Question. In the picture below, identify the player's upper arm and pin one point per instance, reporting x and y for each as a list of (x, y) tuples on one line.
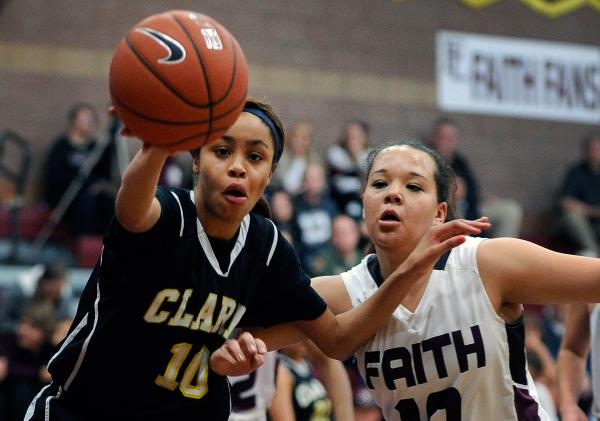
[(517, 271), (334, 292), (139, 222)]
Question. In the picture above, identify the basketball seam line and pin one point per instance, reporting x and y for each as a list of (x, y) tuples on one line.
[(200, 60), (174, 123), (184, 139)]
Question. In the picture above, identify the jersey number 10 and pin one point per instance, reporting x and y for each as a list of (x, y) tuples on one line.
[(193, 383)]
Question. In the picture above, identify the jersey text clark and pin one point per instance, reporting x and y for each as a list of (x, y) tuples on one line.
[(229, 316)]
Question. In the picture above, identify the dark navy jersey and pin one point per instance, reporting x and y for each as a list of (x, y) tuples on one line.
[(309, 396), (158, 304)]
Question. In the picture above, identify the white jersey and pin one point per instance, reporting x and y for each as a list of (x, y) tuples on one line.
[(453, 358), (251, 394), (595, 347)]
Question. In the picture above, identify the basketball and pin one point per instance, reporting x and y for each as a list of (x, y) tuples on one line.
[(178, 79)]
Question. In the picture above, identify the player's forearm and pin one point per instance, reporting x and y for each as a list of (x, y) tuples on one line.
[(278, 336), (571, 372), (138, 187)]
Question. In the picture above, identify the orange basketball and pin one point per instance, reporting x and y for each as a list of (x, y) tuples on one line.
[(178, 79)]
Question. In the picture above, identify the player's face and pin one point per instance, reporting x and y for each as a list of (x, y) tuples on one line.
[(400, 198), (233, 172)]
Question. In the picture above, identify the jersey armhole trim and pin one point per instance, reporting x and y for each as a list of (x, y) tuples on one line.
[(274, 245), (81, 325), (180, 213)]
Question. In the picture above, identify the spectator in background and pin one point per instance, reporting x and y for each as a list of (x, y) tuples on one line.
[(93, 206), (552, 325), (296, 157), (346, 164), (581, 339), (283, 214), (580, 198), (314, 212), (52, 289), (299, 395), (24, 355), (343, 253), (505, 214), (171, 174)]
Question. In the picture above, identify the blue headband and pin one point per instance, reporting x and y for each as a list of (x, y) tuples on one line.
[(275, 133)]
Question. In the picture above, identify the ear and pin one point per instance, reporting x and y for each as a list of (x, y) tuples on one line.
[(195, 164), (441, 213)]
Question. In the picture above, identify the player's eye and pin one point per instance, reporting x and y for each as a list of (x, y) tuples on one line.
[(414, 187), (222, 152), (379, 184), (255, 156)]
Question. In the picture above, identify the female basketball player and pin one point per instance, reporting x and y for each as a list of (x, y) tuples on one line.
[(300, 395), (455, 344), (180, 270), (251, 394)]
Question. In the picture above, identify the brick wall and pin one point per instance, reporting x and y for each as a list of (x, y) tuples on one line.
[(321, 60)]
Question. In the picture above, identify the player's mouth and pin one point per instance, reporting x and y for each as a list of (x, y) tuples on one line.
[(389, 218), (235, 193)]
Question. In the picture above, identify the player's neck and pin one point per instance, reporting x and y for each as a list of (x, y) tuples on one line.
[(390, 256), (218, 228), (388, 262)]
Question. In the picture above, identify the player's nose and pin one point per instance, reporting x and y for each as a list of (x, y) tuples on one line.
[(236, 167)]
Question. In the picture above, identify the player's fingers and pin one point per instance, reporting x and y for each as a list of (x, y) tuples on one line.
[(124, 130), (482, 223), (448, 244), (234, 348), (247, 344), (222, 355), (261, 347), (460, 226), (257, 361), (221, 360), (228, 352)]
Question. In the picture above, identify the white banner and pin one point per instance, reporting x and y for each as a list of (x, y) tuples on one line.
[(518, 77)]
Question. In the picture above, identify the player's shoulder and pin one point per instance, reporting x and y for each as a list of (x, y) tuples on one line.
[(261, 228), (176, 198), (465, 255), (265, 238)]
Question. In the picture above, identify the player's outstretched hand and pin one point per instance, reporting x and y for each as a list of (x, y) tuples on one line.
[(238, 356), (124, 130), (440, 239)]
